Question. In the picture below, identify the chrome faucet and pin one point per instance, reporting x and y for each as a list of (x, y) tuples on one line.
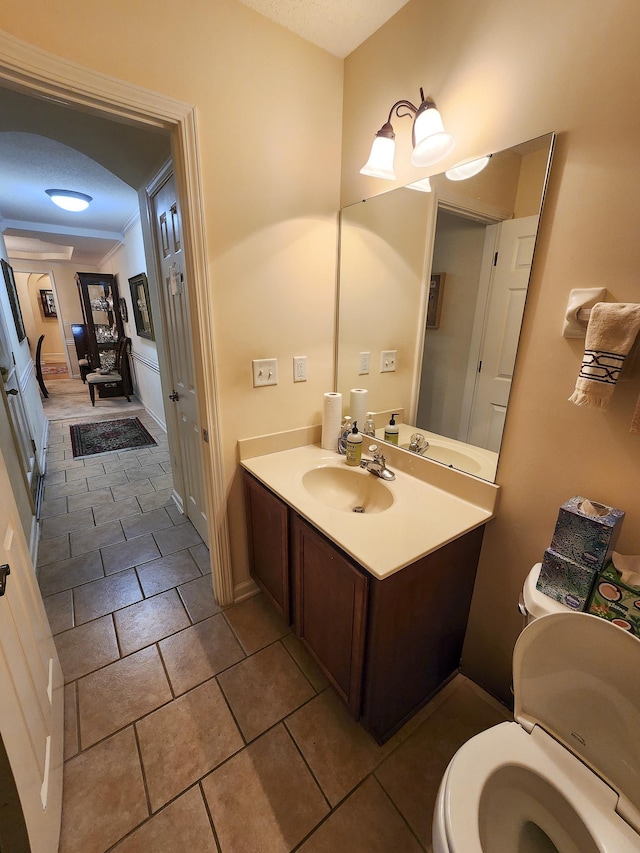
[(378, 465), (418, 443)]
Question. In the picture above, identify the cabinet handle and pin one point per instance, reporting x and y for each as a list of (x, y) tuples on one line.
[(174, 396), (4, 571)]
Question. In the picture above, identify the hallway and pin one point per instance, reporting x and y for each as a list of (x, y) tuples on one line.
[(192, 727)]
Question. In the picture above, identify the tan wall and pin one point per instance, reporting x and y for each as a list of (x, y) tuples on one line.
[(269, 111), (502, 72)]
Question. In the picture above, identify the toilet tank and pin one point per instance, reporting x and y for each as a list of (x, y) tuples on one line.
[(534, 603)]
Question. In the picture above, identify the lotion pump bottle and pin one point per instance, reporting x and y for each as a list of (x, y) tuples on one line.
[(391, 430), (354, 447)]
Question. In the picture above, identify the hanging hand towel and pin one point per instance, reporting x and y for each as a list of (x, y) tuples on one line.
[(612, 329)]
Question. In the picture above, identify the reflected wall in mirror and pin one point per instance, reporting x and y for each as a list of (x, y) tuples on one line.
[(452, 380)]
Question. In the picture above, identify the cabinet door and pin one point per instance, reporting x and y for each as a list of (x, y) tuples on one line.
[(268, 533), (331, 610)]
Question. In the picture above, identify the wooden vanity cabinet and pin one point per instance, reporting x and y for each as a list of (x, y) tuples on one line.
[(385, 645), (268, 526), (331, 596)]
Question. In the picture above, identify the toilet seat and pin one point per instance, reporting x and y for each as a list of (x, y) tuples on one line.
[(569, 767), (476, 811)]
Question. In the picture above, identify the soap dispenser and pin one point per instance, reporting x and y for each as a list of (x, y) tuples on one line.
[(354, 447), (391, 430), (369, 426)]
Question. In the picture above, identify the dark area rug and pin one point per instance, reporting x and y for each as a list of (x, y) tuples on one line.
[(107, 436)]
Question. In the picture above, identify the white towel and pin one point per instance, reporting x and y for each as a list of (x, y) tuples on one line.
[(612, 329)]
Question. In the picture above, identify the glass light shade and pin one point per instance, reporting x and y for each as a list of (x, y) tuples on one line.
[(380, 162), (69, 200), (431, 143), (467, 170), (423, 186)]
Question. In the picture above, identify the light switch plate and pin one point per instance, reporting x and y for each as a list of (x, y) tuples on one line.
[(265, 372), (365, 363), (388, 359)]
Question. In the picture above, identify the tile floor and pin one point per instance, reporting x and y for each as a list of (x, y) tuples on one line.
[(191, 727)]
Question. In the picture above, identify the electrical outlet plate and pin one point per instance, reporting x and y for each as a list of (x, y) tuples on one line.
[(388, 359), (265, 372), (299, 368), (365, 363)]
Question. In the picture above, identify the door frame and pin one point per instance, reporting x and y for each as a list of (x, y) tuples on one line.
[(29, 69)]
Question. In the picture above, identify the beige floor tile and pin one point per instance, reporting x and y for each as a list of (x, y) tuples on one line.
[(129, 490), (181, 826), (201, 555), (60, 490), (152, 499), (176, 516), (106, 595), (103, 795), (93, 470), (264, 688), (127, 554), (200, 652), (167, 572), (147, 522), (256, 623), (55, 506), (264, 798), (86, 648), (71, 741), (59, 609), (99, 536), (338, 750), (64, 574), (197, 596), (151, 620), (306, 663), (186, 739), (144, 472), (411, 775), (114, 478), (365, 823), (176, 538), (112, 510), (54, 549), (52, 527), (91, 499), (120, 693)]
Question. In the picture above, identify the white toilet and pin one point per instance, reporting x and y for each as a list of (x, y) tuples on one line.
[(565, 777)]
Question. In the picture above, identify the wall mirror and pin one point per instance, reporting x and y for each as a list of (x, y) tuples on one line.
[(460, 253)]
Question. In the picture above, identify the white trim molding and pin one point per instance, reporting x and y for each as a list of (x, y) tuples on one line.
[(34, 71)]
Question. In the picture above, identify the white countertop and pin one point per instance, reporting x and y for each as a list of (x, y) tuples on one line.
[(422, 518)]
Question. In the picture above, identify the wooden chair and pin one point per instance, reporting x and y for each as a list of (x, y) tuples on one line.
[(117, 383), (43, 387)]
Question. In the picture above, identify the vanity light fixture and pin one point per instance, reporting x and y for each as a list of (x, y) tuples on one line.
[(431, 143), (468, 169), (69, 200), (423, 186)]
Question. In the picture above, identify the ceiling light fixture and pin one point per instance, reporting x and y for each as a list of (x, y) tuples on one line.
[(423, 186), (468, 169), (69, 200), (431, 143)]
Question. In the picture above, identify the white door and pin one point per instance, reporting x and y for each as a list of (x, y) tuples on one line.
[(508, 292), (188, 480), (31, 685)]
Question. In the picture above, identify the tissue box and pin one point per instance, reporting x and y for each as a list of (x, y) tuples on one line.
[(586, 539), (565, 581), (616, 601)]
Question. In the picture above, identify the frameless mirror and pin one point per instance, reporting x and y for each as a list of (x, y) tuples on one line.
[(432, 289)]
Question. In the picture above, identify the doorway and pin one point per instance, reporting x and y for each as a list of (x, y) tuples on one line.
[(34, 72)]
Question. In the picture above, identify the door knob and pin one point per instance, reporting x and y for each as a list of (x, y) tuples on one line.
[(174, 396), (13, 391), (4, 571)]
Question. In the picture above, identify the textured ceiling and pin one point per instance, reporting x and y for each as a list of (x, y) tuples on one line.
[(338, 26)]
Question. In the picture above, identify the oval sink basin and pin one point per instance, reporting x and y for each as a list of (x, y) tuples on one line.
[(349, 491), (449, 456)]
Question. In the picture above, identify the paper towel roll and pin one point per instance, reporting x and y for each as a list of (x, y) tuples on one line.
[(331, 419), (358, 406)]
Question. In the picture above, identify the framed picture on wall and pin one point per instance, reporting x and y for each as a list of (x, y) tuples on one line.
[(48, 303), (10, 282), (434, 308), (141, 306)]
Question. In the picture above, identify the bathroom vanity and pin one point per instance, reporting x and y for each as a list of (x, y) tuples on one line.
[(380, 598)]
